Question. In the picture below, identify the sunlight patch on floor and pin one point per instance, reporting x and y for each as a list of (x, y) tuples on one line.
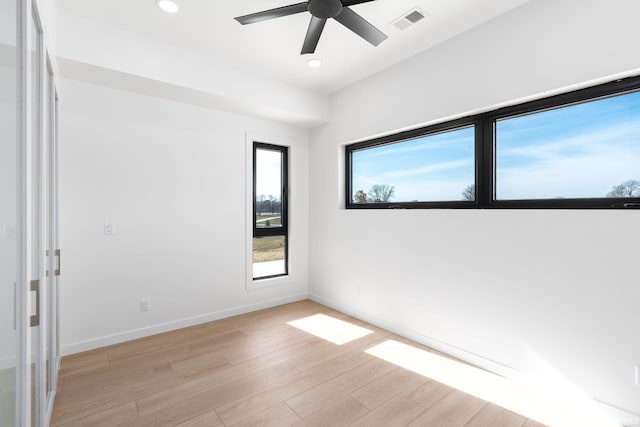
[(328, 328), (548, 405)]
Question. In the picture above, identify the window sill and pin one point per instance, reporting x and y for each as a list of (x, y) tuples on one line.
[(254, 284)]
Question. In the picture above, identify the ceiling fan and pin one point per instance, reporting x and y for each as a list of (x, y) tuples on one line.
[(320, 11)]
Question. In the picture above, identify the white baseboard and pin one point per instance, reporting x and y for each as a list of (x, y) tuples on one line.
[(107, 340), (623, 417)]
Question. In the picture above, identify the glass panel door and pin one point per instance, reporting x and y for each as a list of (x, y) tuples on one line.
[(9, 228)]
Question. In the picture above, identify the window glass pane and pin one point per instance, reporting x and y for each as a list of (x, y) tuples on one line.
[(438, 167), (588, 150), (268, 188), (269, 255)]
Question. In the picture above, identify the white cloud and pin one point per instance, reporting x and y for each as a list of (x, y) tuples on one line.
[(426, 170), (586, 165)]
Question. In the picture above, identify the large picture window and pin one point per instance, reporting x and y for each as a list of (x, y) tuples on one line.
[(270, 211), (576, 150)]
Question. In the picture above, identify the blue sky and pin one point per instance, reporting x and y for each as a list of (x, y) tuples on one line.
[(572, 152), (436, 167)]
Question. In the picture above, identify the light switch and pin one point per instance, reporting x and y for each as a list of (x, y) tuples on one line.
[(109, 229), (9, 232)]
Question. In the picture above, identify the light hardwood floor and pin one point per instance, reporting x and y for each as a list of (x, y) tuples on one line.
[(255, 369)]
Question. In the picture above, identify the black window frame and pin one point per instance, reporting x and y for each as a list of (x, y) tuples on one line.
[(284, 204), (485, 149), (437, 129)]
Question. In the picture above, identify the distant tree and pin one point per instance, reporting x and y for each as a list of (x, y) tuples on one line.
[(630, 188), (266, 207), (380, 193), (260, 199), (360, 197), (272, 203), (469, 192)]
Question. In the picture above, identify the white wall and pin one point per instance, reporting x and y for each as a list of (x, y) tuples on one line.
[(171, 177), (550, 293), (191, 74)]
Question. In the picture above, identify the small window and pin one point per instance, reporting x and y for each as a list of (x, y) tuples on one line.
[(580, 151), (270, 211), (435, 167)]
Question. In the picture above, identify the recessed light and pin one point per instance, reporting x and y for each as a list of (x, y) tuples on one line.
[(314, 63), (168, 6)]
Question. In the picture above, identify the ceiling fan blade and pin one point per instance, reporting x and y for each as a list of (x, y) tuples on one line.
[(347, 3), (273, 13), (313, 35), (360, 26)]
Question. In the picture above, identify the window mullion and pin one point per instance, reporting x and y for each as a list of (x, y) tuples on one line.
[(487, 172)]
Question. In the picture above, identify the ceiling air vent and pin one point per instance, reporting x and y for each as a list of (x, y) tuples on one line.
[(408, 19)]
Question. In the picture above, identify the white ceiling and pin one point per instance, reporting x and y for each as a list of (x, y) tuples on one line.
[(273, 47)]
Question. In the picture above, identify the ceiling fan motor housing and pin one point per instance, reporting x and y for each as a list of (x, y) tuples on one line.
[(325, 9)]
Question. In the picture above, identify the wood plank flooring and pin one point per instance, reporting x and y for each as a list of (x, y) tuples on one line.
[(255, 369)]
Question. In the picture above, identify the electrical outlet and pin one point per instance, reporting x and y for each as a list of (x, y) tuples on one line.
[(109, 228), (145, 304)]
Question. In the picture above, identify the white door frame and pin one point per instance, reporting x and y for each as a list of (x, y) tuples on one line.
[(52, 254)]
